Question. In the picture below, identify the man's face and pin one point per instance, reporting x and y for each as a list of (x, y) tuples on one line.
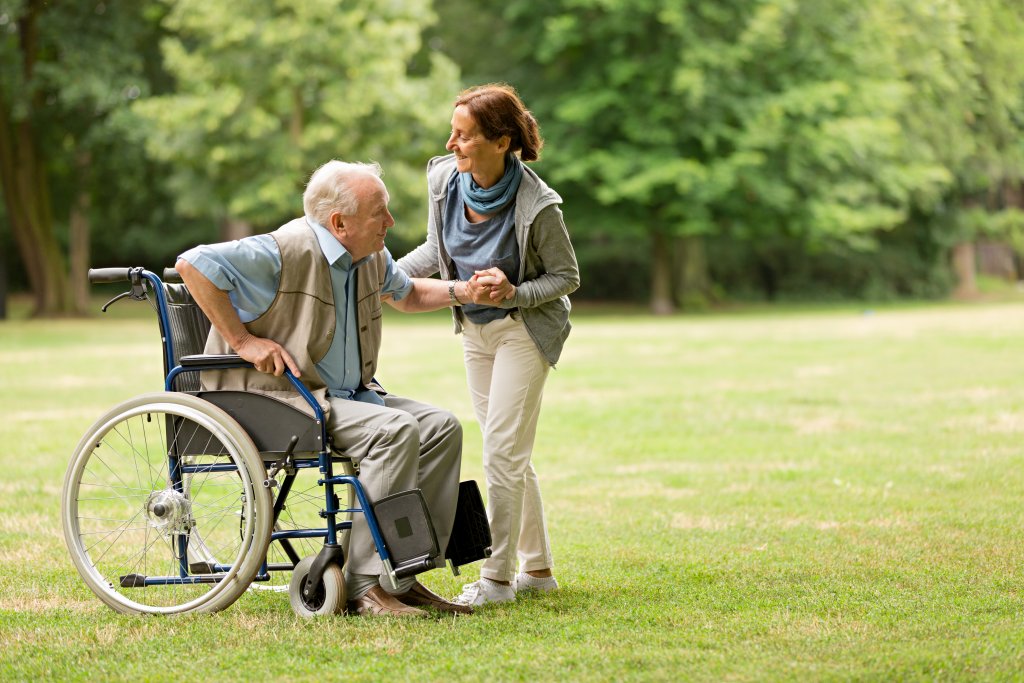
[(363, 233)]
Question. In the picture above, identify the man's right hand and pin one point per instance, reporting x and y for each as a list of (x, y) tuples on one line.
[(266, 355)]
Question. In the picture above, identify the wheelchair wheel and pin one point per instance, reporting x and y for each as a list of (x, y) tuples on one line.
[(328, 598), (164, 507)]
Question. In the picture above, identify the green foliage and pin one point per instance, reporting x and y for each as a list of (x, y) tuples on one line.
[(822, 126), (832, 131), (753, 119), (267, 91)]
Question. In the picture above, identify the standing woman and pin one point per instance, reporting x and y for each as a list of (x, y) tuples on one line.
[(495, 232)]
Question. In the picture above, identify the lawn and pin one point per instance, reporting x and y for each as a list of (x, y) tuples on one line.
[(830, 494)]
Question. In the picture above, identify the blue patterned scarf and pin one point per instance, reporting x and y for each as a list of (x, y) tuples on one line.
[(498, 196)]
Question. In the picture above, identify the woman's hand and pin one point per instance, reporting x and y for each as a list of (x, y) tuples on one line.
[(492, 286)]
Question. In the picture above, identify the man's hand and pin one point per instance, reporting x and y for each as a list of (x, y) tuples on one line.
[(266, 355), (490, 287)]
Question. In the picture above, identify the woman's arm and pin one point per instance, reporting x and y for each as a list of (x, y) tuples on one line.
[(550, 240)]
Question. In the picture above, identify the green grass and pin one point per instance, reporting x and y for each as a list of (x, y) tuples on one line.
[(827, 494)]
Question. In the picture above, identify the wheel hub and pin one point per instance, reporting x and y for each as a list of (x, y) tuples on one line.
[(169, 511)]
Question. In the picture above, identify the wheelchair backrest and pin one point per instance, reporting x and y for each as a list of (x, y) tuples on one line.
[(188, 329)]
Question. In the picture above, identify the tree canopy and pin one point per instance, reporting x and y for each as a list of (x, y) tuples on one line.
[(702, 146)]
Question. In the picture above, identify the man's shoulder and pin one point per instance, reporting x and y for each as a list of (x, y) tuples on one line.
[(296, 226)]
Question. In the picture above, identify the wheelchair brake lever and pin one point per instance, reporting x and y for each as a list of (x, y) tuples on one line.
[(115, 300), (137, 292), (270, 482)]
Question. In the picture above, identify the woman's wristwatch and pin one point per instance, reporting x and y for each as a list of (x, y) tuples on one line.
[(453, 298)]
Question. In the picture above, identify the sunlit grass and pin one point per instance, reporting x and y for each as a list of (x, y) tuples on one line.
[(825, 494)]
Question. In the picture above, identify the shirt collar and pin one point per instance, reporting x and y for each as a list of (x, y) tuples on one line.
[(334, 251)]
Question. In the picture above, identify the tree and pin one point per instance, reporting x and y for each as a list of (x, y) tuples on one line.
[(56, 98), (751, 120), (22, 164), (988, 196), (267, 91)]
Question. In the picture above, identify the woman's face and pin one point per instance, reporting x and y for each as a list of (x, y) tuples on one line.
[(474, 153)]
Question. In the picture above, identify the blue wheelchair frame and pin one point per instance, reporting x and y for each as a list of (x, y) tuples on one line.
[(332, 551)]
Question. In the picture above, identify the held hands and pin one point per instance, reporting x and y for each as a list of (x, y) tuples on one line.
[(490, 287), (266, 355)]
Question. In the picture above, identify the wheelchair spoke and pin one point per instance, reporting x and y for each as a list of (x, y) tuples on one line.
[(120, 531), (136, 455)]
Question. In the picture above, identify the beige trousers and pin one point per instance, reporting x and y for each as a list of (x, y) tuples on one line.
[(506, 375), (401, 445)]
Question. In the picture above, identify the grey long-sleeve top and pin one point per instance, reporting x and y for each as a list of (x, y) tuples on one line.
[(548, 272)]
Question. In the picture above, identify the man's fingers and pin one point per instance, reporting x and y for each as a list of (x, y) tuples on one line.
[(290, 362)]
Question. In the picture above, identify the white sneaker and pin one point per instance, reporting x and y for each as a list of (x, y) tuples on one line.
[(525, 582), (484, 591)]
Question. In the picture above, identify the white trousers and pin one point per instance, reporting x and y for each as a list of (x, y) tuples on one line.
[(506, 375)]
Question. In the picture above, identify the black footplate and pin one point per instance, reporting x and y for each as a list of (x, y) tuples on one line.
[(408, 532), (471, 534)]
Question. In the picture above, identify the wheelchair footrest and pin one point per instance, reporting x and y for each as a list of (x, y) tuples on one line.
[(405, 524), (414, 567), (471, 534)]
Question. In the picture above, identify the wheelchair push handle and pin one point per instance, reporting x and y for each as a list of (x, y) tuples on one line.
[(171, 275), (100, 275), (136, 276)]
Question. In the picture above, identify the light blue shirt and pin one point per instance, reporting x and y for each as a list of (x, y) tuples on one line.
[(249, 270)]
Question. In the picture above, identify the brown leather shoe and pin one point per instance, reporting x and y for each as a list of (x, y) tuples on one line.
[(378, 602), (420, 596)]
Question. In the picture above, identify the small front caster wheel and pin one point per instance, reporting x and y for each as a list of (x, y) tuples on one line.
[(328, 597)]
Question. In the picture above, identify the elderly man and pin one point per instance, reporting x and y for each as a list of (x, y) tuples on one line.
[(307, 297)]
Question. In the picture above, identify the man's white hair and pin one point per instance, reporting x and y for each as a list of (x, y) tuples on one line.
[(330, 189)]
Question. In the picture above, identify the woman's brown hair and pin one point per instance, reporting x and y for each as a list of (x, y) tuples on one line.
[(498, 111)]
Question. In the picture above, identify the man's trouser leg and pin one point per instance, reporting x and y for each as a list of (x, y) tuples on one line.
[(400, 446), (384, 442), (440, 461)]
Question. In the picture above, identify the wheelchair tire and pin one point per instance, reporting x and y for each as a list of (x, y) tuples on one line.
[(155, 534), (330, 596)]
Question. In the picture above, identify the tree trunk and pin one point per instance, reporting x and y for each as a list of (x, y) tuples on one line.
[(234, 229), (964, 268), (3, 288), (78, 226), (693, 284), (27, 193), (661, 275)]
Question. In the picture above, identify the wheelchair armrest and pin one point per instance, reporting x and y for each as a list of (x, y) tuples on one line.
[(229, 361), (203, 360)]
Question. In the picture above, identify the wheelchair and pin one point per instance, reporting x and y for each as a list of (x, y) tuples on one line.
[(179, 501)]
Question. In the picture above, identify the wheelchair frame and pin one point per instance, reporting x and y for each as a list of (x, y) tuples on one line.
[(317, 580)]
